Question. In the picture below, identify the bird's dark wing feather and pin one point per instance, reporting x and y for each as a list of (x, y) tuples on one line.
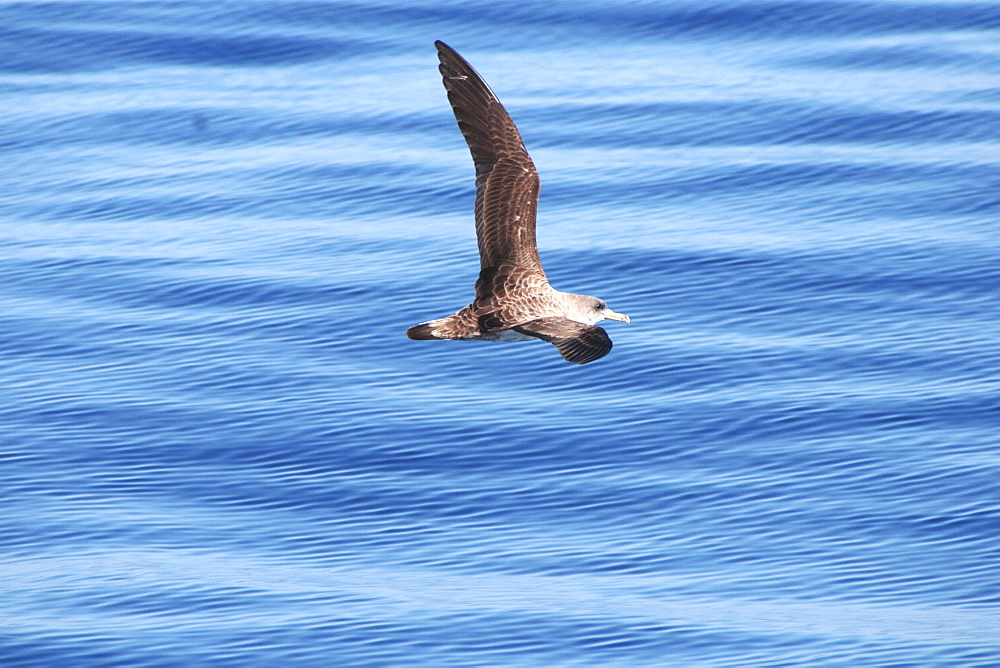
[(506, 181), (576, 341)]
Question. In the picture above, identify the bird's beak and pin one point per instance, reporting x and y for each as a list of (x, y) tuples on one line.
[(611, 315)]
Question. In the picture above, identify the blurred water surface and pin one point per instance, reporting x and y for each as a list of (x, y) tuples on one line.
[(219, 447)]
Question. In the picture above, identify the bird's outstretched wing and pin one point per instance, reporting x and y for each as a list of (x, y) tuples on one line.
[(576, 341), (506, 181)]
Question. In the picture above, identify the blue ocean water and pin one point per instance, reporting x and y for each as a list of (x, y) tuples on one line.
[(219, 448)]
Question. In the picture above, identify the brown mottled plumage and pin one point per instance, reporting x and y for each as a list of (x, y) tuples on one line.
[(514, 300)]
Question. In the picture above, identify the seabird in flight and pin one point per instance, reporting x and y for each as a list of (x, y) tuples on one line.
[(514, 300)]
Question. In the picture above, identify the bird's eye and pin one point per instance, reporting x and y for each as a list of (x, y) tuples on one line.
[(600, 306)]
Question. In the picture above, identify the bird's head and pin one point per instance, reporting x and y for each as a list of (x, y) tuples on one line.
[(591, 310)]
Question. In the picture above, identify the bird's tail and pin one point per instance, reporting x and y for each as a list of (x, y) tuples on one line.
[(422, 332), (451, 327)]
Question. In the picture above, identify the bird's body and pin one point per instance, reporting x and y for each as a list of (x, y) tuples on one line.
[(514, 300)]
